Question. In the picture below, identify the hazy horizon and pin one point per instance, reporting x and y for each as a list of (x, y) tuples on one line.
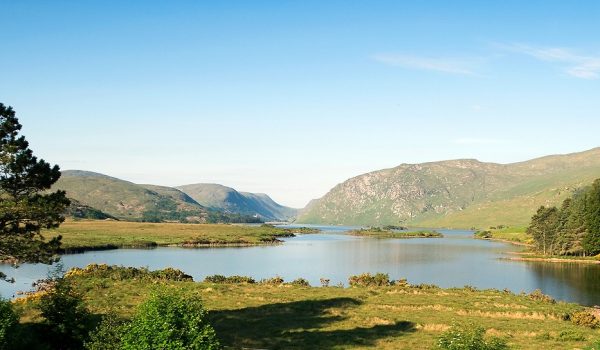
[(290, 99)]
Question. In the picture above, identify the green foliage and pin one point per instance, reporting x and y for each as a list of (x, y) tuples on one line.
[(274, 281), (544, 229), (368, 280), (66, 317), (300, 282), (121, 273), (107, 335), (469, 337), (570, 335), (591, 242), (574, 229), (8, 324), (25, 207), (595, 346), (170, 321), (231, 279)]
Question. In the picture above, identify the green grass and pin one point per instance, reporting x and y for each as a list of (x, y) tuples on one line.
[(376, 232), (515, 234), (81, 235), (283, 316)]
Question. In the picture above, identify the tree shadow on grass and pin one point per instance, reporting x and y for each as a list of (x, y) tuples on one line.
[(298, 325)]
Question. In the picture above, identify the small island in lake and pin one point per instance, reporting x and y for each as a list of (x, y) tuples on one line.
[(378, 232)]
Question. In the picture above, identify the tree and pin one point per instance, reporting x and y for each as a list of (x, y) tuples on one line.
[(65, 315), (543, 229), (170, 321), (591, 241), (26, 206)]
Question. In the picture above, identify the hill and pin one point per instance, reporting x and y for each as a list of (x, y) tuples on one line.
[(455, 193), (229, 200), (125, 200)]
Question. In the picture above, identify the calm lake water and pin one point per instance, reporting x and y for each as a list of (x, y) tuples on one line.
[(453, 261)]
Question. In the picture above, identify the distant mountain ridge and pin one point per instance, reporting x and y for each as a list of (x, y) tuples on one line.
[(225, 198), (96, 195), (455, 193)]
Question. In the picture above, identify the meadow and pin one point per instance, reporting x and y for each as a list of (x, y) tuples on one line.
[(80, 235), (278, 315)]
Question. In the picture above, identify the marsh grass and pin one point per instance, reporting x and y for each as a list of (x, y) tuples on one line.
[(90, 235)]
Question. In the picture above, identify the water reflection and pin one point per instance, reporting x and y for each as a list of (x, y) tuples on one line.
[(453, 261)]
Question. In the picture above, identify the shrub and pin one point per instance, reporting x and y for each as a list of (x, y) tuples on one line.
[(275, 281), (231, 279), (368, 280), (121, 273), (171, 274), (402, 283), (469, 337), (215, 279), (537, 295), (570, 335), (300, 282), (8, 324), (585, 318), (65, 316), (170, 321), (108, 334), (324, 282)]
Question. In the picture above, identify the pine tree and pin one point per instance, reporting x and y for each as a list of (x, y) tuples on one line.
[(544, 229), (591, 241), (26, 205)]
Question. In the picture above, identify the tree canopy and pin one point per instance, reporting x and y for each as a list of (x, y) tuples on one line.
[(572, 229), (26, 204)]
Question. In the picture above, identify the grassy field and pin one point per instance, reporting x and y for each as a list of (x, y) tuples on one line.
[(514, 234), (116, 234), (376, 232), (283, 316)]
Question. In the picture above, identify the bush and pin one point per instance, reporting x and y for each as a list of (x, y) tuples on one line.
[(469, 337), (585, 318), (66, 317), (231, 279), (537, 295), (570, 335), (275, 281), (108, 334), (170, 321), (8, 324), (120, 273), (300, 282), (368, 280)]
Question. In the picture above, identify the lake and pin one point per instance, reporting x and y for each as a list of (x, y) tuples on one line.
[(453, 261)]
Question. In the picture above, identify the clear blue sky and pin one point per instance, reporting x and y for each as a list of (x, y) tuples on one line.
[(293, 97)]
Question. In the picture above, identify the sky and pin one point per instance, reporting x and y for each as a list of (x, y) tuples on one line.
[(290, 98)]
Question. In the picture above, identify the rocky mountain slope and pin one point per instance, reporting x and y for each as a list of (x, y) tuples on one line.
[(455, 193)]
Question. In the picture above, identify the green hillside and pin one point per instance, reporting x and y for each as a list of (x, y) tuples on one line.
[(128, 201), (455, 193), (229, 200)]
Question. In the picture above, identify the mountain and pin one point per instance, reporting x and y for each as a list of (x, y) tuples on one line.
[(229, 200), (128, 201), (459, 193)]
